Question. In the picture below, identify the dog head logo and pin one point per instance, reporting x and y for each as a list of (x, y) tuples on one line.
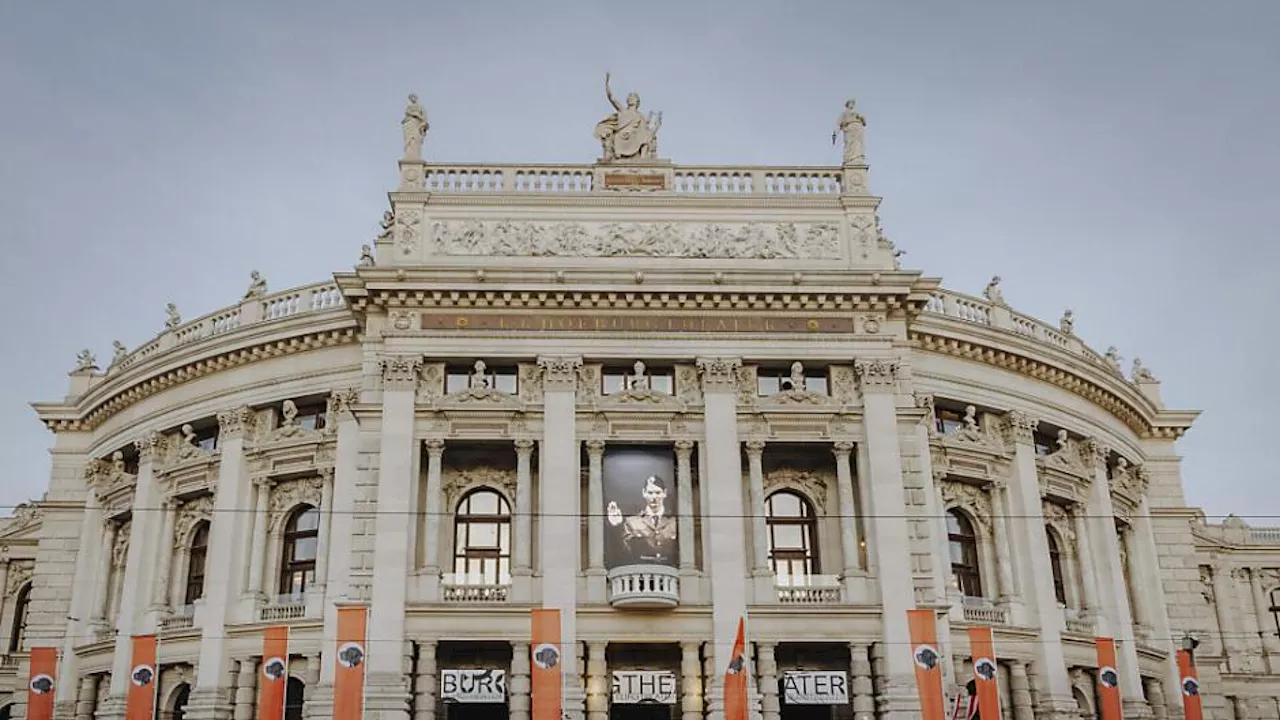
[(142, 675), (985, 669), (273, 669), (1110, 678), (735, 665), (1190, 687), (546, 656), (42, 684), (926, 657), (351, 655)]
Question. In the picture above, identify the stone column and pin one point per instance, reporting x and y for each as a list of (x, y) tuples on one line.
[(597, 682), (324, 536), (134, 591), (520, 684), (848, 513), (523, 550), (386, 689), (767, 664), (228, 540), (341, 529), (1040, 601), (1155, 698), (1088, 576), (433, 509), (86, 697), (1007, 588), (684, 500), (726, 555), (1145, 561), (164, 564), (877, 380), (759, 527), (107, 558), (1266, 624), (246, 691), (258, 546), (560, 508), (1222, 597), (690, 682), (425, 682), (1020, 691), (1134, 579), (862, 692), (595, 521), (1115, 620)]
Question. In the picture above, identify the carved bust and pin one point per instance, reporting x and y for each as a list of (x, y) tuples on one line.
[(479, 380), (638, 380)]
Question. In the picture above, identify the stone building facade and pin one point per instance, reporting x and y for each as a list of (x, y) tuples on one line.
[(657, 398)]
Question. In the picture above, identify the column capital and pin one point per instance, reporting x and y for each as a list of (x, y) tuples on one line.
[(755, 448), (876, 374), (147, 446), (400, 372), (719, 374), (434, 446), (236, 422), (595, 447), (842, 449), (262, 483), (341, 402), (684, 446), (559, 374), (524, 446), (1095, 453), (1019, 427)]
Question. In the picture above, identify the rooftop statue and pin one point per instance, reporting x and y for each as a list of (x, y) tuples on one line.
[(992, 292), (85, 361), (172, 318), (415, 128), (118, 351), (627, 134), (257, 285), (851, 124), (1067, 324)]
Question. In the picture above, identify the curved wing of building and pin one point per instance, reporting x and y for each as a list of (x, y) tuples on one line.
[(658, 399)]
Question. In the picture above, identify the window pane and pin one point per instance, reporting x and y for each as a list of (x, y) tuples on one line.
[(309, 520), (767, 385), (483, 503), (612, 384), (816, 384), (456, 382), (506, 382), (661, 383), (304, 549), (957, 552), (953, 523), (504, 539), (484, 535), (788, 536), (784, 505)]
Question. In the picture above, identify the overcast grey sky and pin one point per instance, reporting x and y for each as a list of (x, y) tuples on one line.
[(1114, 157)]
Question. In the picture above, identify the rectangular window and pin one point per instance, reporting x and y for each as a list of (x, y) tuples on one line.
[(771, 381), (1045, 444), (617, 379), (948, 421), (312, 417), (460, 378)]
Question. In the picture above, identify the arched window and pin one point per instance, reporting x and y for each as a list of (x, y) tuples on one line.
[(294, 693), (793, 535), (1055, 565), (198, 551), (20, 606), (482, 539), (180, 698), (963, 545), (298, 558), (1275, 608)]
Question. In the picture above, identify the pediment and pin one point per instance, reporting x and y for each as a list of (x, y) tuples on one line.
[(293, 455), (192, 476), (967, 460), (1069, 487)]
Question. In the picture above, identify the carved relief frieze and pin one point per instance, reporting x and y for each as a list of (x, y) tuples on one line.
[(876, 374), (968, 497), (111, 483), (688, 388), (844, 388), (642, 399), (19, 574), (764, 241), (976, 461), (747, 385), (1068, 456), (720, 374), (560, 374), (974, 432), (457, 482), (408, 227), (812, 485), (287, 495), (25, 517), (529, 380), (431, 382)]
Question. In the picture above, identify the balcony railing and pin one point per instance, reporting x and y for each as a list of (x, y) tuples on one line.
[(284, 607), (8, 662), (644, 586), (1076, 623), (463, 592), (182, 618), (982, 612), (580, 179), (810, 590)]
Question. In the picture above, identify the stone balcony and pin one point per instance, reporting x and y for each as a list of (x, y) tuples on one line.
[(644, 586), (811, 590), (982, 611), (460, 591), (570, 179), (180, 618), (284, 607)]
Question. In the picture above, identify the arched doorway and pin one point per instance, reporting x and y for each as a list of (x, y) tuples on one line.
[(294, 694), (6, 712), (180, 697)]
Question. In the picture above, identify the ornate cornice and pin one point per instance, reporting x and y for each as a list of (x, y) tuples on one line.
[(559, 374), (1019, 427), (235, 423), (400, 372), (719, 374), (876, 374)]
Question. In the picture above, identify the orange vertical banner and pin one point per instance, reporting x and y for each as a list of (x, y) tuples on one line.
[(43, 680), (348, 674), (1190, 686), (545, 668), (1108, 679), (982, 648), (140, 701), (275, 673), (928, 662), (735, 677)]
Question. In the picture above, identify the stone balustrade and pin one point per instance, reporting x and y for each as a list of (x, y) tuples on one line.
[(318, 297), (285, 607), (815, 590), (686, 180), (1264, 536), (984, 613), (644, 586), (468, 593)]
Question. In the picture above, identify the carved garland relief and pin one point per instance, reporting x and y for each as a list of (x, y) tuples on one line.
[(191, 514), (969, 498), (692, 240), (287, 495), (812, 486), (458, 483)]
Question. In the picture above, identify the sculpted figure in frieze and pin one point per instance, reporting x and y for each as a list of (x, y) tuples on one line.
[(627, 134)]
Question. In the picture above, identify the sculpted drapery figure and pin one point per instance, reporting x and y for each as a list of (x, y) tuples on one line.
[(627, 134), (851, 124), (415, 128)]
